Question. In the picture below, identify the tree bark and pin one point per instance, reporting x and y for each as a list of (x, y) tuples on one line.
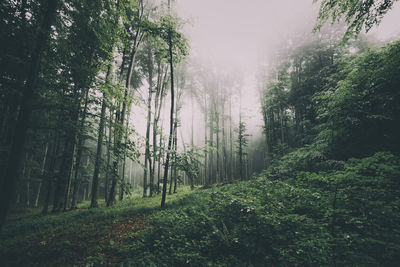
[(97, 163), (171, 124), (46, 148), (55, 149), (9, 182), (147, 153), (111, 197), (205, 141), (106, 182), (81, 140)]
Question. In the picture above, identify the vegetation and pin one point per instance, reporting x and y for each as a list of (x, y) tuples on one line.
[(320, 188), (339, 217), (359, 15)]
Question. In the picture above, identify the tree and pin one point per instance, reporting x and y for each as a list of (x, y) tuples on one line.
[(241, 144), (8, 183), (358, 113), (357, 14), (136, 24), (177, 48), (97, 164)]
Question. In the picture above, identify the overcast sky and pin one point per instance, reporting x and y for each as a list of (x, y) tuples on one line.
[(241, 31)]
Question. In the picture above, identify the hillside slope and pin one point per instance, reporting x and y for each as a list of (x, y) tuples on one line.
[(314, 219)]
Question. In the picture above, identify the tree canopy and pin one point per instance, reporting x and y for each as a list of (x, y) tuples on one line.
[(358, 14)]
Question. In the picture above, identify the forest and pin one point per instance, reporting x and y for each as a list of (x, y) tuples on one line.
[(199, 133)]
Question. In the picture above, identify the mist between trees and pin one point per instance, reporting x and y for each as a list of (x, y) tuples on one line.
[(104, 101)]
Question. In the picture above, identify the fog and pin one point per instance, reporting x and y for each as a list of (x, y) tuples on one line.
[(241, 36), (236, 40)]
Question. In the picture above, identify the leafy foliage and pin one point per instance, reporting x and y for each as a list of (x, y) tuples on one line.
[(358, 14)]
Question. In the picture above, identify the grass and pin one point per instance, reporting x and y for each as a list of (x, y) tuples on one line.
[(231, 225), (73, 237), (260, 222)]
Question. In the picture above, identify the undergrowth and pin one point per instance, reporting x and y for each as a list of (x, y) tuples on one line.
[(346, 217)]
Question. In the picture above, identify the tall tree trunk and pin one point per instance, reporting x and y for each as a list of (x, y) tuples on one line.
[(122, 187), (9, 182), (46, 148), (175, 150), (173, 167), (171, 123), (18, 200), (108, 158), (153, 168), (64, 174), (282, 115), (50, 175), (147, 153), (267, 139), (190, 177), (230, 174), (28, 179), (81, 140), (224, 160), (66, 171), (160, 156), (161, 83), (111, 197), (218, 146), (240, 141), (205, 142), (211, 144), (97, 163)]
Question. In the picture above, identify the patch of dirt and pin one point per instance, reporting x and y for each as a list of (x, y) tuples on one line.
[(119, 231)]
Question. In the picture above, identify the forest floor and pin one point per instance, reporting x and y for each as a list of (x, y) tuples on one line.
[(84, 237), (260, 222)]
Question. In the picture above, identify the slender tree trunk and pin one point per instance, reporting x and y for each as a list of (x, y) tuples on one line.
[(158, 106), (122, 188), (81, 140), (171, 124), (211, 144), (267, 141), (130, 173), (111, 197), (173, 167), (64, 174), (175, 150), (160, 156), (147, 153), (171, 171), (28, 179), (218, 146), (152, 174), (108, 158), (224, 158), (97, 163), (46, 148), (50, 175), (205, 142), (230, 140), (70, 173), (282, 115), (18, 200), (240, 148)]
